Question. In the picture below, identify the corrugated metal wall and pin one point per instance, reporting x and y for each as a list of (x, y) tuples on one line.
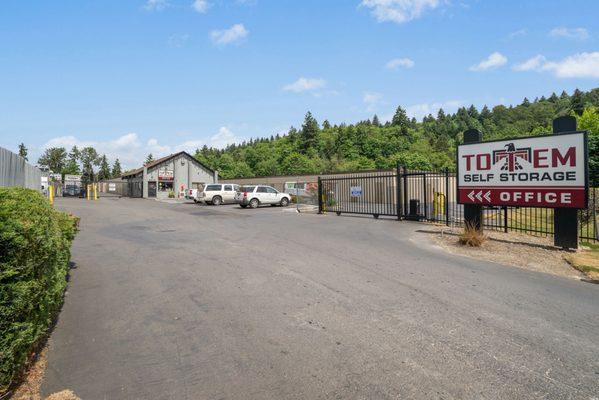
[(15, 171)]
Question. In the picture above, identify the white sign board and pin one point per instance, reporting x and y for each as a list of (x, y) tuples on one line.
[(542, 171), (355, 191), (112, 187)]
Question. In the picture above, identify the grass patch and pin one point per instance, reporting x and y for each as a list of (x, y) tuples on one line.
[(586, 262)]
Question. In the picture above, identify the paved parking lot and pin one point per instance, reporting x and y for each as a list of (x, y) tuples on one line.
[(179, 301)]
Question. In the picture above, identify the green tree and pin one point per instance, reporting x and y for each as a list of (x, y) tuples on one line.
[(149, 159), (72, 165), (116, 169), (89, 158), (23, 151), (104, 171), (400, 119), (53, 158), (309, 134)]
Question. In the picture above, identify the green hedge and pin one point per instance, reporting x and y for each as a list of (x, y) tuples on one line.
[(35, 245)]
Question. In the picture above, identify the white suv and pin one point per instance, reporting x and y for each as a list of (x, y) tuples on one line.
[(218, 193), (254, 196)]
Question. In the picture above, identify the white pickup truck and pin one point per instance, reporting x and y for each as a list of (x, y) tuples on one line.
[(192, 194), (255, 195)]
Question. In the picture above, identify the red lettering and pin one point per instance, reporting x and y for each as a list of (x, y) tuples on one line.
[(537, 158), (570, 156), (479, 164), (468, 157)]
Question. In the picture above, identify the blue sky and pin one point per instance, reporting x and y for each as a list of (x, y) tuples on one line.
[(138, 76)]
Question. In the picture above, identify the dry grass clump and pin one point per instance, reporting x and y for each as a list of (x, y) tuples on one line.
[(63, 395), (471, 236)]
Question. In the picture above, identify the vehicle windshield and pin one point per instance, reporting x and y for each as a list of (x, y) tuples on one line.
[(246, 188)]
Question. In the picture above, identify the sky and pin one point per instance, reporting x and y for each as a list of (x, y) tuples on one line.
[(132, 77)]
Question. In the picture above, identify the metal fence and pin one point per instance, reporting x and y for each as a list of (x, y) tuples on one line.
[(432, 196), (120, 189), (15, 171)]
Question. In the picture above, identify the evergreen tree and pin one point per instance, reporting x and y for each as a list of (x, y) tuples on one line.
[(72, 166), (23, 151), (89, 158), (54, 159), (149, 159), (309, 134), (104, 172), (400, 118), (553, 98), (326, 124), (116, 169), (375, 121), (577, 102)]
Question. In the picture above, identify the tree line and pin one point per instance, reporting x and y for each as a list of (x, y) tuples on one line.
[(428, 144), (86, 162)]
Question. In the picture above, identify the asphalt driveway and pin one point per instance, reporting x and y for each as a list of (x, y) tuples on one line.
[(179, 301)]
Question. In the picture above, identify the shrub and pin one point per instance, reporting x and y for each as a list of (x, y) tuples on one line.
[(35, 244), (472, 236)]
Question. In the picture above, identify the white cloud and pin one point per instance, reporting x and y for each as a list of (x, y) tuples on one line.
[(518, 33), (570, 33), (495, 60), (372, 99), (395, 63), (532, 64), (398, 11), (581, 65), (234, 34), (132, 151), (128, 148), (419, 111), (200, 6), (305, 85), (156, 5)]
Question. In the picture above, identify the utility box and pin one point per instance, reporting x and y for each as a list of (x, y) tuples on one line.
[(414, 209)]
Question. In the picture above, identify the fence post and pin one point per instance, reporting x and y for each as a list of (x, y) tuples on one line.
[(473, 213), (398, 191), (424, 174), (405, 191), (565, 220), (320, 196), (505, 219), (447, 196)]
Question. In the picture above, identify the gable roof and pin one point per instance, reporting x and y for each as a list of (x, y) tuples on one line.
[(163, 159)]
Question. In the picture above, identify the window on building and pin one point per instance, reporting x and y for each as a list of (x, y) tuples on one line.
[(165, 186)]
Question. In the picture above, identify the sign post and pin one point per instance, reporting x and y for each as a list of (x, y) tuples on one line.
[(565, 220), (473, 213), (539, 171)]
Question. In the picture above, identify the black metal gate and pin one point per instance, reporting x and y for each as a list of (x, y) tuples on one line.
[(432, 196), (134, 189), (373, 193)]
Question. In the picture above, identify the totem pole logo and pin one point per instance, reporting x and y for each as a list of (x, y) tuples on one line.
[(511, 157)]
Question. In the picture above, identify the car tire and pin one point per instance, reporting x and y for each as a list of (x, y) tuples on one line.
[(217, 201), (254, 203), (284, 202)]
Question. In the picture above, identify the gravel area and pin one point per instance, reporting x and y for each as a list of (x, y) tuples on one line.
[(515, 249)]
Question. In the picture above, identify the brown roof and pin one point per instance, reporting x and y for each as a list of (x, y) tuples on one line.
[(161, 160)]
